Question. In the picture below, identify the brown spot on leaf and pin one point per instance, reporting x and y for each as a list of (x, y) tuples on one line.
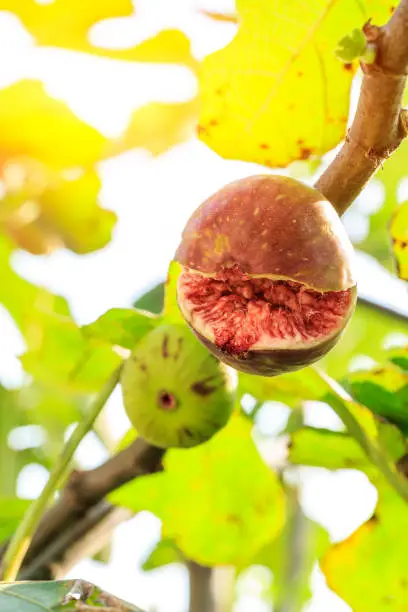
[(187, 432), (305, 152), (202, 387), (214, 122), (402, 465), (392, 9), (300, 73), (234, 519), (403, 244), (300, 141), (165, 347), (143, 367), (378, 371), (263, 145), (374, 519), (348, 67)]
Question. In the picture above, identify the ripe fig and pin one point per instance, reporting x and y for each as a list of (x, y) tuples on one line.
[(266, 281), (174, 391)]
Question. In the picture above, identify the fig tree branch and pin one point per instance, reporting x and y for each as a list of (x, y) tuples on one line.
[(380, 124), (77, 510)]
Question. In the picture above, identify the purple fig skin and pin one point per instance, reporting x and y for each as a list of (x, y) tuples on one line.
[(270, 226)]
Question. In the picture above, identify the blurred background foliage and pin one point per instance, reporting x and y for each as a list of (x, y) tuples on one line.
[(278, 99)]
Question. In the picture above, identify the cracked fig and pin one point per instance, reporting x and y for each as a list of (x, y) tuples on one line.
[(267, 279)]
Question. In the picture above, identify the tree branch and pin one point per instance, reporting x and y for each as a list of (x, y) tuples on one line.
[(83, 490), (201, 595), (380, 124)]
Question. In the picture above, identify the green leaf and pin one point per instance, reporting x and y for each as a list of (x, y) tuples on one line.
[(16, 413), (152, 300), (121, 326), (365, 335), (351, 46), (291, 558), (171, 310), (384, 390), (58, 354), (368, 569), (126, 440), (290, 389), (377, 242), (57, 597), (332, 450), (281, 70), (364, 427), (246, 508), (12, 511), (164, 553), (399, 356)]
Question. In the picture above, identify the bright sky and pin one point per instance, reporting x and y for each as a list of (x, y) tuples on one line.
[(153, 198)]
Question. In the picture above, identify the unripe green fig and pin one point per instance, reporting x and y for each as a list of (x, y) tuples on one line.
[(175, 392), (267, 279)]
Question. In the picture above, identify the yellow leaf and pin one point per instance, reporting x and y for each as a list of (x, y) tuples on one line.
[(67, 23), (158, 126), (47, 209), (168, 46), (368, 569), (35, 125), (277, 93), (399, 235)]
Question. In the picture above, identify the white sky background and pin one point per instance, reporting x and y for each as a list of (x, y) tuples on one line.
[(153, 198)]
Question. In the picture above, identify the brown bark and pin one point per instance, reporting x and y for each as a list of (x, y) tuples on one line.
[(78, 508), (201, 594)]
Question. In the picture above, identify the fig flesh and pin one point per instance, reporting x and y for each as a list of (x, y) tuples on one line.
[(267, 282)]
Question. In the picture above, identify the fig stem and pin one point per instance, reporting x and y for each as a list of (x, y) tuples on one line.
[(15, 553), (378, 126), (361, 425)]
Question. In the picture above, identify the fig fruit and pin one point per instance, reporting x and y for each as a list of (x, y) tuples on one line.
[(266, 282), (174, 391)]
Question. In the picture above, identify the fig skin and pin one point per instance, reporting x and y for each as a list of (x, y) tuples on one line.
[(175, 393), (273, 227), (270, 226)]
